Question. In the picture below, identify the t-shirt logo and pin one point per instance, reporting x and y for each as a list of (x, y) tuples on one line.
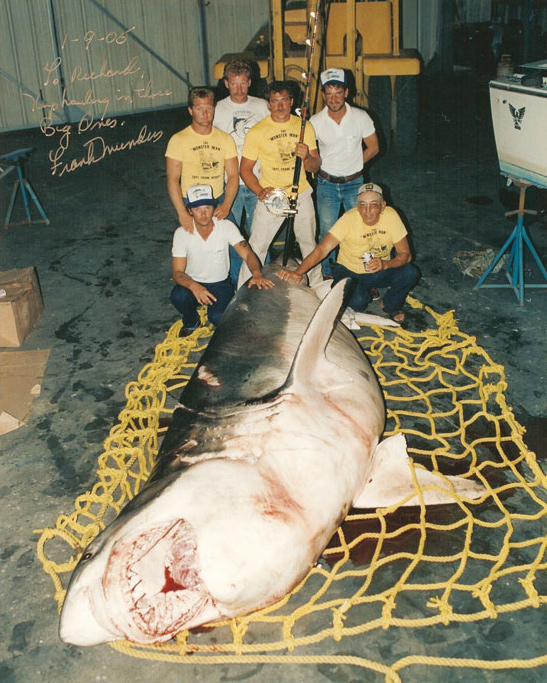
[(240, 126), (207, 161), (285, 149)]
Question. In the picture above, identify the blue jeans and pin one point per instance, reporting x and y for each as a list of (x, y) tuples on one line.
[(187, 305), (398, 280), (329, 198), (245, 199)]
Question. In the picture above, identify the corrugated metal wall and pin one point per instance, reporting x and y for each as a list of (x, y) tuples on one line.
[(26, 47), (473, 10), (128, 55), (470, 11), (420, 22), (64, 59), (231, 25)]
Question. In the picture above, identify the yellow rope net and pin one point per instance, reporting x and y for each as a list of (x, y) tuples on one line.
[(393, 568)]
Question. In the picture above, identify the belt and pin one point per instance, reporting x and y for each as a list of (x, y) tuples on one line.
[(339, 179)]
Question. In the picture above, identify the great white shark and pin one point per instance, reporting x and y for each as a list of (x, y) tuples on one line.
[(277, 435)]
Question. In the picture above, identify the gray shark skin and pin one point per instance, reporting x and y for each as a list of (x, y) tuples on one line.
[(275, 438)]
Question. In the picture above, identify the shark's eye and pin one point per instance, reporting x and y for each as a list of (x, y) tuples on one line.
[(87, 556)]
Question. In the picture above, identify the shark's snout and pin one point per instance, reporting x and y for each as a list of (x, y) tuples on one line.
[(79, 625)]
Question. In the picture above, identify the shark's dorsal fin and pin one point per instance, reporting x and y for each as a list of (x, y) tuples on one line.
[(311, 350)]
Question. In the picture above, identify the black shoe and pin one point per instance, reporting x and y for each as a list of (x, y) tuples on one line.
[(374, 293), (185, 332)]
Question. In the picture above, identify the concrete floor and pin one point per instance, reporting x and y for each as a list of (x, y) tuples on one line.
[(104, 267)]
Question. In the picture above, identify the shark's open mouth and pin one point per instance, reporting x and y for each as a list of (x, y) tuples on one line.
[(153, 578)]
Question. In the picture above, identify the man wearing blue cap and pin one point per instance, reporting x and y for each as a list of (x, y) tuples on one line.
[(347, 140), (201, 262)]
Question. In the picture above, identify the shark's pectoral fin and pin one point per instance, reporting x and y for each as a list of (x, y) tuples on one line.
[(391, 481)]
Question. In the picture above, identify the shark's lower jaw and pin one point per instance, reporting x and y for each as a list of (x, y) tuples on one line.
[(152, 584)]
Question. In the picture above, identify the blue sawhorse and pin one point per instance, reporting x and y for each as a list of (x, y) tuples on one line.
[(17, 159), (515, 244)]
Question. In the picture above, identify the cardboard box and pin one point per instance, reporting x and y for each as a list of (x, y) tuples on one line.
[(21, 307), (21, 374)]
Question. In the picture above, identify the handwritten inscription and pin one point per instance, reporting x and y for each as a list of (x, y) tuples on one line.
[(79, 74), (96, 150), (90, 36), (72, 147)]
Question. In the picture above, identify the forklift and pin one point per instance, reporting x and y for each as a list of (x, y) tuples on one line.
[(384, 75)]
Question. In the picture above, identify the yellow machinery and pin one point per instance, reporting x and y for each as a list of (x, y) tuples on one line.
[(279, 49)]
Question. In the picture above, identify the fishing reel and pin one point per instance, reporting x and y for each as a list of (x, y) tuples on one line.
[(278, 203)]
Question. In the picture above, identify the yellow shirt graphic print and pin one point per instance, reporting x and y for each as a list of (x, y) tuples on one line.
[(202, 157), (285, 149), (273, 145), (356, 237)]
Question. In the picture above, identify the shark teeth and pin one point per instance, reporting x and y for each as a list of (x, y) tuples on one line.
[(158, 574)]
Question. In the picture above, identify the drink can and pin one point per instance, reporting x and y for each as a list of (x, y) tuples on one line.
[(366, 257)]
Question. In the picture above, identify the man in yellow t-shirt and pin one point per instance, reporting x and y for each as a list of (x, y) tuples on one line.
[(274, 143), (201, 154), (374, 252)]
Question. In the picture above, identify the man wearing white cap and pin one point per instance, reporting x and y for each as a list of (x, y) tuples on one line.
[(201, 262), (374, 252), (347, 140)]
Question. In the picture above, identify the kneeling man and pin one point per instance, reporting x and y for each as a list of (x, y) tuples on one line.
[(374, 252), (201, 262)]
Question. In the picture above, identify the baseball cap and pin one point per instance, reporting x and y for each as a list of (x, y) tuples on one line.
[(371, 187), (200, 195), (333, 77)]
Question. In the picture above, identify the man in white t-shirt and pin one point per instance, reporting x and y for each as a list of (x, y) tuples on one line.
[(235, 115), (347, 140), (201, 262)]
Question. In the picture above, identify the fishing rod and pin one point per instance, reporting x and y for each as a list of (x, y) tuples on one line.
[(293, 196)]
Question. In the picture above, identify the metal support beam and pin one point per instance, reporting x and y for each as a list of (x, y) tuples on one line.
[(202, 4)]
